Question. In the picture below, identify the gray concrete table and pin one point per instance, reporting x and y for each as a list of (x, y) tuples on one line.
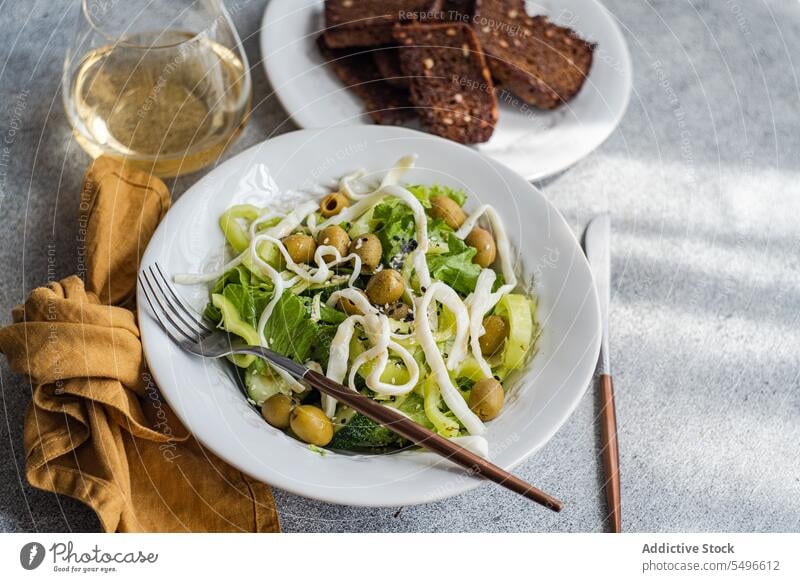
[(703, 182)]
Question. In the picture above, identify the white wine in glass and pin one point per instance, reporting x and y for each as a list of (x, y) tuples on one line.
[(162, 84)]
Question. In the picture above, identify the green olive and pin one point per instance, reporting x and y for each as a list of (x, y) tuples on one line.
[(349, 307), (385, 287), (333, 204), (335, 236), (483, 242), (369, 248), (397, 311), (276, 410), (448, 210), (486, 398), (311, 425), (301, 247), (496, 331)]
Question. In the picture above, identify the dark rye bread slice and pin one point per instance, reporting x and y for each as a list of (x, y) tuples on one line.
[(350, 23), (387, 60), (458, 10), (386, 105), (449, 81), (541, 62)]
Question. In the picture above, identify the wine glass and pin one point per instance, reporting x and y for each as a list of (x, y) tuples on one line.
[(163, 84)]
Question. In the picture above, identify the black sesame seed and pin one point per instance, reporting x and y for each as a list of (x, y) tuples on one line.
[(410, 246)]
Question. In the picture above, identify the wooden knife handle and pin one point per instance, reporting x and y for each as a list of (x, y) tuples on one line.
[(610, 451)]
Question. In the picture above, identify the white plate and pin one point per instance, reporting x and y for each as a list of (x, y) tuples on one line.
[(209, 403), (531, 142)]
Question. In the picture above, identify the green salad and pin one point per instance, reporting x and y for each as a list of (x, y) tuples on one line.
[(393, 290)]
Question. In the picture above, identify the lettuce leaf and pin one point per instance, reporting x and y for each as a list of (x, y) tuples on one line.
[(290, 330), (455, 267), (393, 224), (321, 350), (425, 193), (248, 294)]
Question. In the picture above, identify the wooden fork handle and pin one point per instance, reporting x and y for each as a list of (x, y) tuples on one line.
[(610, 451), (427, 439)]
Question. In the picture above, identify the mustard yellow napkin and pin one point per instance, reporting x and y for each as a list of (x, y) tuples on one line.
[(98, 429)]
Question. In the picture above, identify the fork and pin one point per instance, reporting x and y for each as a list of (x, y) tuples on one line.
[(192, 332)]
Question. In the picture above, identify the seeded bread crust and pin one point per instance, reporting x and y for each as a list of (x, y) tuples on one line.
[(387, 60), (542, 63), (386, 105), (449, 81), (350, 23)]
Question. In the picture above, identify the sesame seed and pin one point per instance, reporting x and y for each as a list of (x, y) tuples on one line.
[(486, 29), (451, 32), (465, 49), (467, 118), (512, 13), (428, 63), (503, 43), (447, 121), (458, 97)]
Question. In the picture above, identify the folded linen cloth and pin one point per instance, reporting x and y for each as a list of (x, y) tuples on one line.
[(97, 428)]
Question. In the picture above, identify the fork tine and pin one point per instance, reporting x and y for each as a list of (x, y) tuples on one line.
[(178, 310), (153, 309), (190, 313), (165, 312)]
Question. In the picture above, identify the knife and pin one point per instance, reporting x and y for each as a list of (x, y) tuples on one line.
[(596, 245)]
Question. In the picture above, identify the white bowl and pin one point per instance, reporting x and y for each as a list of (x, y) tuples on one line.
[(543, 396)]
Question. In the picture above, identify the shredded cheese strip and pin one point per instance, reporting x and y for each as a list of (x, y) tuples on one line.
[(378, 333), (323, 271), (278, 285), (197, 278), (347, 185), (440, 292), (503, 246), (292, 220), (480, 302), (356, 296), (261, 220), (399, 170), (337, 359), (376, 327), (350, 187), (421, 228)]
